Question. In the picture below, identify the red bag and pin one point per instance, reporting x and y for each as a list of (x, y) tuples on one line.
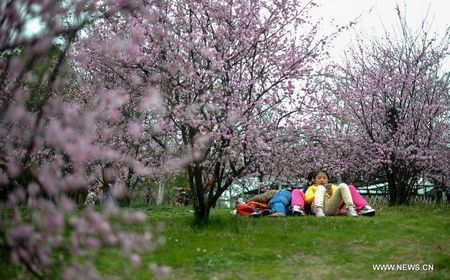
[(246, 209)]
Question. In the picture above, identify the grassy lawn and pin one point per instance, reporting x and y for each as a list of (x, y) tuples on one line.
[(233, 247)]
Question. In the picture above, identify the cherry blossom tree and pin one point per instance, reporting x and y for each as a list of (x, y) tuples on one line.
[(226, 71), (388, 109), (51, 144)]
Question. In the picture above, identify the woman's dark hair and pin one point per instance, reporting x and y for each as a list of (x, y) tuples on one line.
[(314, 174), (310, 178)]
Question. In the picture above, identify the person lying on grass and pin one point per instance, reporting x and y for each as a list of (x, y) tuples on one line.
[(273, 203), (256, 206)]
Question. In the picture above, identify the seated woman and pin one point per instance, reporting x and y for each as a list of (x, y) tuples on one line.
[(326, 199), (361, 205)]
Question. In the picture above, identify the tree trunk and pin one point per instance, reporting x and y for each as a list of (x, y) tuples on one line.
[(201, 210), (403, 193), (400, 184), (206, 191), (202, 215), (160, 197), (438, 197), (129, 188), (392, 186)]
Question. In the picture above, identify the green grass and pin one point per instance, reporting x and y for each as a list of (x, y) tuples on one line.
[(233, 247)]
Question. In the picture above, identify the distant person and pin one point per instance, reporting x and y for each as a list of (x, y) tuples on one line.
[(91, 198), (107, 198), (104, 195)]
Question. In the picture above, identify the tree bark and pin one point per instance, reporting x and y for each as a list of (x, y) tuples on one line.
[(160, 197)]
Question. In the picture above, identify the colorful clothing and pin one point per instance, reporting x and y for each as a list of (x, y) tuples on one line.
[(298, 198), (319, 197), (311, 193), (358, 200), (264, 197), (255, 203), (281, 201)]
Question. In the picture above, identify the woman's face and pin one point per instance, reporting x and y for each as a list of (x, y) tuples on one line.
[(321, 179)]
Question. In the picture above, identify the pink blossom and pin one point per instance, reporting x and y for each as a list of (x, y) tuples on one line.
[(151, 99), (15, 68), (67, 204), (117, 190), (93, 243), (43, 44), (14, 169), (103, 227), (15, 113), (134, 129), (110, 239), (58, 85), (3, 178), (132, 50), (114, 116), (135, 260)]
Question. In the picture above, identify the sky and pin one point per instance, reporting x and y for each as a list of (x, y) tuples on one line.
[(374, 14)]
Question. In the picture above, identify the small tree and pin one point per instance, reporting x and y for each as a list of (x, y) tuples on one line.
[(391, 101)]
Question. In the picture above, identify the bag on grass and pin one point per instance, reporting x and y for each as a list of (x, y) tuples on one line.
[(246, 209)]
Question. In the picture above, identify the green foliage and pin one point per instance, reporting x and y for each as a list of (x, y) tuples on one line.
[(38, 88), (39, 70), (171, 182), (232, 247), (174, 181)]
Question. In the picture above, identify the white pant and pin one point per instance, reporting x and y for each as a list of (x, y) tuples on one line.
[(331, 205)]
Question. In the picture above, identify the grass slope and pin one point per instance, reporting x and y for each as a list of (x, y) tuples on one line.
[(233, 247)]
